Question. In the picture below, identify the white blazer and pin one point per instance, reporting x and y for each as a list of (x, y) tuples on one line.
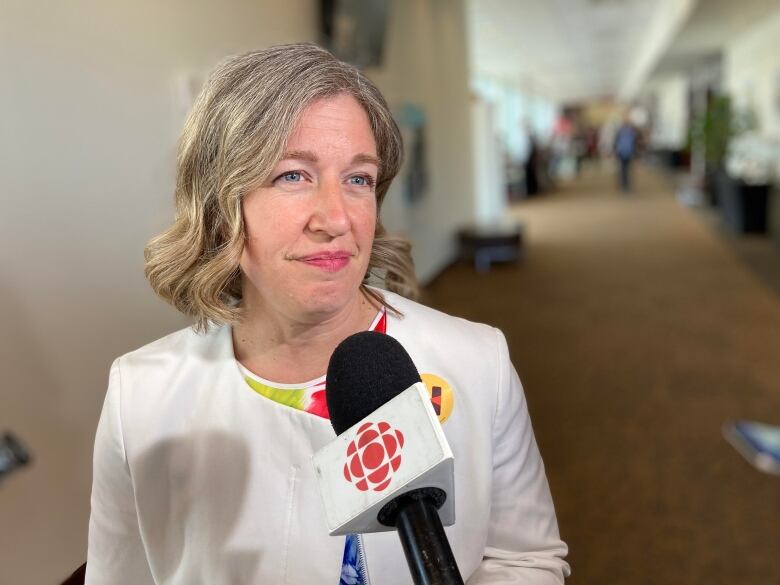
[(198, 479)]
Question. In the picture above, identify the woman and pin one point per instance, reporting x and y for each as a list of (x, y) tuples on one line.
[(202, 470)]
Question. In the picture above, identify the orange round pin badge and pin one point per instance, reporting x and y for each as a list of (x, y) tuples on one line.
[(442, 397)]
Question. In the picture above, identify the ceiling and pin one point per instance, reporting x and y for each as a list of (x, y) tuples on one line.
[(577, 50), (567, 50), (712, 24)]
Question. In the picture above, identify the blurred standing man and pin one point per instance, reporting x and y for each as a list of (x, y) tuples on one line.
[(625, 150)]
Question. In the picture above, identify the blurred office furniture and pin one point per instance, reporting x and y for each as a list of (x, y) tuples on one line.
[(485, 244), (13, 455), (743, 206), (745, 181)]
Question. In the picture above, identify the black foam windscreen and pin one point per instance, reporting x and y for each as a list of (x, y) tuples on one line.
[(366, 370)]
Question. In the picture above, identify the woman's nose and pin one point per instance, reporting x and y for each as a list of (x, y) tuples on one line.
[(330, 211)]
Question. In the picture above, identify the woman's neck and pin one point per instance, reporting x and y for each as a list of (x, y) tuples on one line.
[(292, 349)]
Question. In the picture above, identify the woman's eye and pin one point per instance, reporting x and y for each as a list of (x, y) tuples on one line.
[(361, 181), (291, 177)]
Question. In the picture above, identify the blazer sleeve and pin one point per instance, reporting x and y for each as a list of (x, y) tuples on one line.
[(115, 553), (523, 544)]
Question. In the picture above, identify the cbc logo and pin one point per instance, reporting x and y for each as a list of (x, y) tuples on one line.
[(373, 455)]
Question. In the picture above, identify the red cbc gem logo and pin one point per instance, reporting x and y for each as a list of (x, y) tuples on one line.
[(373, 456)]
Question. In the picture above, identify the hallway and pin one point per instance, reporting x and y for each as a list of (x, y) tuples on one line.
[(637, 331)]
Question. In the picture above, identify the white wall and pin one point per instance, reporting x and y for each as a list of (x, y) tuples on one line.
[(91, 111), (518, 110), (489, 184), (427, 65), (89, 125), (670, 123), (752, 72), (656, 36)]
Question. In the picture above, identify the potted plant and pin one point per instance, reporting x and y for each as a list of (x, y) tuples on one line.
[(711, 133)]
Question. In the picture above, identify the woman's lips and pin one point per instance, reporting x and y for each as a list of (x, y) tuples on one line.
[(327, 262)]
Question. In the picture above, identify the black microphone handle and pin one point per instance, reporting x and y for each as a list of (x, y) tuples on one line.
[(425, 544)]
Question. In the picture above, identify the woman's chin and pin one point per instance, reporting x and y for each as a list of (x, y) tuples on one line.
[(327, 299)]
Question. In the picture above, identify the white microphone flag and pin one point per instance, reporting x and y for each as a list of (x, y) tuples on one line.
[(397, 448)]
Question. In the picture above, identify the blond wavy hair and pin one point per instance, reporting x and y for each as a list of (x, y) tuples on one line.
[(232, 139)]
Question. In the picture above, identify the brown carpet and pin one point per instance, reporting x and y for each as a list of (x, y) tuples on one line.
[(637, 331)]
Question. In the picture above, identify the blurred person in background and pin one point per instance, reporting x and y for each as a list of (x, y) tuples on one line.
[(531, 165), (626, 144), (562, 165), (202, 463)]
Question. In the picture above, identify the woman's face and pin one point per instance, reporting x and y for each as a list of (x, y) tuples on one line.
[(310, 227)]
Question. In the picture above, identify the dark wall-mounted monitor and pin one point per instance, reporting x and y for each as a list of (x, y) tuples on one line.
[(354, 30)]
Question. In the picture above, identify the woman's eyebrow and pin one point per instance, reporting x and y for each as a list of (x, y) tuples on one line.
[(309, 156), (306, 155), (366, 158)]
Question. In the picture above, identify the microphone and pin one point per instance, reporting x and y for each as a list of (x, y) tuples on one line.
[(390, 467)]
